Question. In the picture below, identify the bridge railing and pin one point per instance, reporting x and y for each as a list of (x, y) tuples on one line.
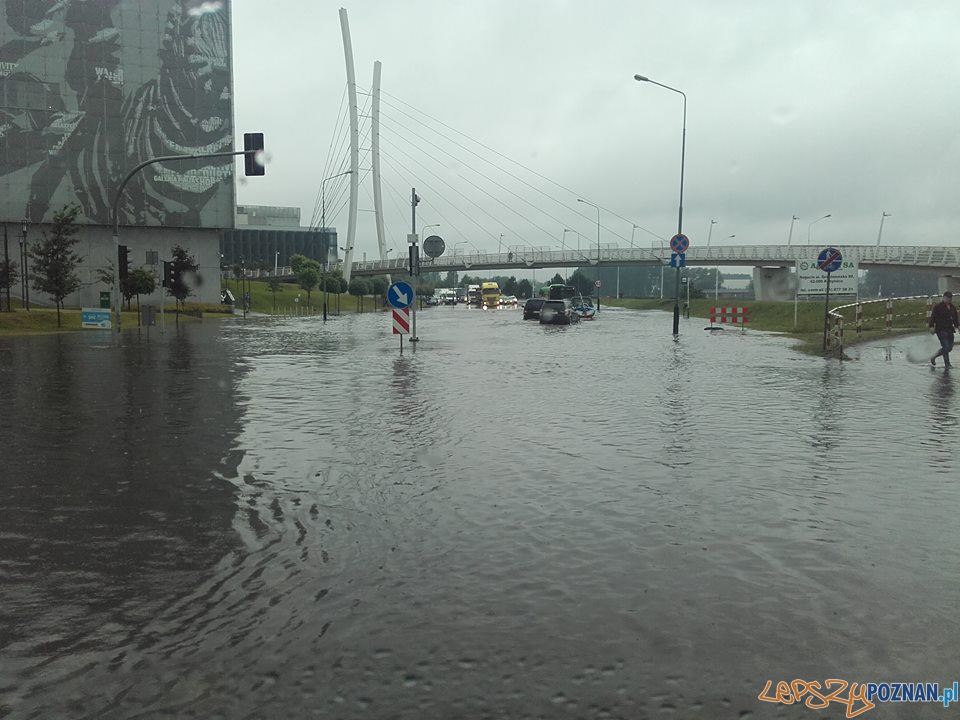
[(903, 311)]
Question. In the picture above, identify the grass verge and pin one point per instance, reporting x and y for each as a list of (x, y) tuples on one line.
[(43, 320), (910, 317), (262, 300)]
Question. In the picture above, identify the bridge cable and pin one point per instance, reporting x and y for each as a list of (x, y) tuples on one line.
[(508, 159)]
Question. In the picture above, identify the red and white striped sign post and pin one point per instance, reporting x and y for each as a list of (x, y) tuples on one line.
[(736, 315), (401, 324)]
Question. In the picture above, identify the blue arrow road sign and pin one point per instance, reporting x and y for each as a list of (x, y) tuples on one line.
[(829, 260), (400, 295), (679, 243), (678, 260)]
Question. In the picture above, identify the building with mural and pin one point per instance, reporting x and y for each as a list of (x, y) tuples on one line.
[(88, 90)]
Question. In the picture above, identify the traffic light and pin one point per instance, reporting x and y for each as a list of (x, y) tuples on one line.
[(170, 275), (253, 154), (123, 261)]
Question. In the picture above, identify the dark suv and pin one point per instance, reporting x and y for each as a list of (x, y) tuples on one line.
[(531, 310), (558, 312)]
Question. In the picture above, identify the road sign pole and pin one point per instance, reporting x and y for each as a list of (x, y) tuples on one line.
[(679, 243), (414, 263), (826, 314)]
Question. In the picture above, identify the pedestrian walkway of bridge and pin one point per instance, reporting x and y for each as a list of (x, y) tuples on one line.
[(906, 256)]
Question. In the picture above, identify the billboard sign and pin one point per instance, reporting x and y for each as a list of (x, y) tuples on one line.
[(843, 281)]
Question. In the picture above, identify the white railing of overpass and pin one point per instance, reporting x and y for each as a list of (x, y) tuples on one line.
[(919, 256)]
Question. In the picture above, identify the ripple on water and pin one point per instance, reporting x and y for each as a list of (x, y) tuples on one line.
[(508, 522)]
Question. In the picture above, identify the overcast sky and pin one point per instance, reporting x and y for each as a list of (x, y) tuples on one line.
[(794, 108)]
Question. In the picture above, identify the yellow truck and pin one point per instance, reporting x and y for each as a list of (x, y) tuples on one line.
[(489, 295)]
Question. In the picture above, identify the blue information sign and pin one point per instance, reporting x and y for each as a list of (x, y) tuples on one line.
[(400, 295), (678, 260), (95, 318), (679, 243), (829, 260)]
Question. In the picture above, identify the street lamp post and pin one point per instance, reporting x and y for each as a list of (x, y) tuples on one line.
[(683, 153), (790, 234), (276, 263), (884, 215), (24, 273), (814, 223), (323, 228), (587, 202), (710, 231)]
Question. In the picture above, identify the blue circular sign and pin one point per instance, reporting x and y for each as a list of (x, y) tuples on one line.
[(679, 243), (400, 295), (829, 260)]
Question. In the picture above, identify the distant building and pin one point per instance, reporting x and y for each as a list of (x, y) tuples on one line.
[(272, 235), (88, 90)]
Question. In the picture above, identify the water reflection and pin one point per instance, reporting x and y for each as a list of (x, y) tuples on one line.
[(943, 414), (109, 500), (285, 518)]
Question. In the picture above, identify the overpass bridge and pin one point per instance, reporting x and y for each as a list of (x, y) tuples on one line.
[(931, 257), (944, 259)]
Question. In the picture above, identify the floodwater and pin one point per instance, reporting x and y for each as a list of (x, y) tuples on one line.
[(281, 518)]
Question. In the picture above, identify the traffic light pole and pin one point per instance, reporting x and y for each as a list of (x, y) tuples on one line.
[(116, 217)]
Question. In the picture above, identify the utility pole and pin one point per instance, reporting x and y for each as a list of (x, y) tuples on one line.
[(414, 262)]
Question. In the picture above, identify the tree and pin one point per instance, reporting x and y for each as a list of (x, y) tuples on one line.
[(379, 285), (309, 275), (297, 261), (182, 263), (8, 276), (358, 288), (139, 282), (556, 280), (274, 285), (892, 282), (509, 286), (524, 289), (54, 261), (581, 282), (451, 279)]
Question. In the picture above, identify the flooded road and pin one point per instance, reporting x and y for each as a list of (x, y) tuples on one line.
[(281, 518)]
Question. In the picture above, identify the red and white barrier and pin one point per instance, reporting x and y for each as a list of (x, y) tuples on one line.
[(736, 315), (401, 322)]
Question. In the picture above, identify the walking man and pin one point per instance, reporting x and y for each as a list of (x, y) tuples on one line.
[(943, 321)]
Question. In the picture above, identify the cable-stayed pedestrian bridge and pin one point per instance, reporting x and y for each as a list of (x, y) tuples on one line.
[(906, 256)]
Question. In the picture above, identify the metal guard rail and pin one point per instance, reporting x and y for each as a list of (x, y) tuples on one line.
[(835, 335)]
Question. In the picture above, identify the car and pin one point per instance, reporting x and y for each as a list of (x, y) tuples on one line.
[(558, 312), (531, 309), (508, 299), (432, 300)]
